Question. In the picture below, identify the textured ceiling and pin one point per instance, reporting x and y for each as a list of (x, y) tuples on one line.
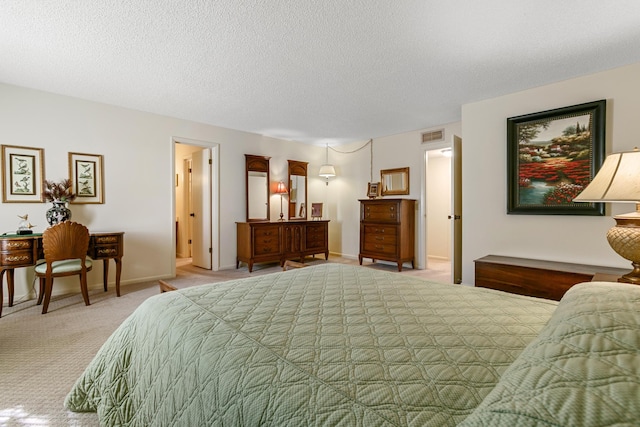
[(311, 71)]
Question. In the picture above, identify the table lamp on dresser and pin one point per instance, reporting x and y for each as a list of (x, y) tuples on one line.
[(618, 181)]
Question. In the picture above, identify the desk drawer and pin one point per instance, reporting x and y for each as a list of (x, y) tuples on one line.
[(103, 251), (17, 258), (106, 245), (17, 252)]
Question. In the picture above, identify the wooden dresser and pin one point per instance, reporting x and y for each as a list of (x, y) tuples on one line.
[(280, 240), (387, 230), (537, 278)]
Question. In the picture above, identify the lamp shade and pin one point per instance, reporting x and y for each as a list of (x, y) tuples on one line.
[(327, 171), (281, 189), (618, 180)]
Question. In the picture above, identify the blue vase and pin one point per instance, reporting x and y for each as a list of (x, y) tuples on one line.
[(58, 213)]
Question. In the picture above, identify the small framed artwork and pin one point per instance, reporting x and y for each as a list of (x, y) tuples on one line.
[(316, 210), (373, 190), (87, 176), (552, 156), (22, 174)]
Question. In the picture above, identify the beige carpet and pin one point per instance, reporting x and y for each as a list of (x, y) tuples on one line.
[(42, 355)]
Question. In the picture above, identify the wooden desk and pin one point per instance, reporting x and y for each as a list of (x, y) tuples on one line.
[(23, 251)]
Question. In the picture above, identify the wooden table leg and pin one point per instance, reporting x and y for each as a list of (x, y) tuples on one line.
[(10, 282), (105, 273), (118, 271), (1, 286)]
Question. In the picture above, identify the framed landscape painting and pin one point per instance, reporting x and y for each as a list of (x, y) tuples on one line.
[(552, 156)]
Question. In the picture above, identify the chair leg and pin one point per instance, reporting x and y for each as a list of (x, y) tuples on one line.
[(41, 293), (83, 288), (48, 286)]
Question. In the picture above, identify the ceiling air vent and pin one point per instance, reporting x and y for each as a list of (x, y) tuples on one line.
[(433, 136)]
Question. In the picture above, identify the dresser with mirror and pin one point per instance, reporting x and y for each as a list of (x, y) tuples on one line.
[(261, 240)]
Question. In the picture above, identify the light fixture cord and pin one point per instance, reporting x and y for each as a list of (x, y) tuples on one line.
[(369, 143)]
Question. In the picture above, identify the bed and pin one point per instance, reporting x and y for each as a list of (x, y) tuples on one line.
[(353, 346)]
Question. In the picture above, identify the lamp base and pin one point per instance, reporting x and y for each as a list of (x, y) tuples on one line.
[(632, 277), (624, 239)]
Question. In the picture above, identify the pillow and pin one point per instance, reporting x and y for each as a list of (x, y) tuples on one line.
[(582, 370)]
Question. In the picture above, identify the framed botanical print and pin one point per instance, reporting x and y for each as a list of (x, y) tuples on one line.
[(87, 177), (552, 156), (22, 174)]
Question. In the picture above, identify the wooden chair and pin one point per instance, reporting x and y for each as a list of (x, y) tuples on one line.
[(65, 253), (165, 287)]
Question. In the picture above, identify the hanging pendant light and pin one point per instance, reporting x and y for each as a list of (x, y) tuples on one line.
[(327, 170)]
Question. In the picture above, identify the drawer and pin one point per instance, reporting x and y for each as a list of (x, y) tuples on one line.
[(268, 232), (267, 245), (380, 248), (106, 240), (381, 230), (381, 238), (380, 212), (16, 244), (17, 258), (315, 230), (104, 251), (315, 242)]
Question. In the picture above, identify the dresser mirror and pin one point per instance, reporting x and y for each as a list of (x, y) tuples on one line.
[(257, 168), (394, 181), (297, 190)]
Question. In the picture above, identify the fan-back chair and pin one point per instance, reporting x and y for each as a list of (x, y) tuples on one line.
[(65, 253)]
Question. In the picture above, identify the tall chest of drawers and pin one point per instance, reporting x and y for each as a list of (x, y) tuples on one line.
[(387, 230)]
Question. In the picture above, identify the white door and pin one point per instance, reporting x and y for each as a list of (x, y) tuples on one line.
[(456, 210), (201, 246)]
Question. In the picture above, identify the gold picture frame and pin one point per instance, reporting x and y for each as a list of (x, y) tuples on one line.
[(394, 182), (87, 177), (373, 190), (22, 174)]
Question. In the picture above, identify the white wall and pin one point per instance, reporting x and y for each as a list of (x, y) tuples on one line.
[(139, 175), (487, 229), (355, 169), (438, 205)]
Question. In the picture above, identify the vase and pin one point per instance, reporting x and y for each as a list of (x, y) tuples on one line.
[(58, 213)]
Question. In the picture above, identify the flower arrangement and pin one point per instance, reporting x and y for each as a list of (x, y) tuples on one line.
[(58, 191)]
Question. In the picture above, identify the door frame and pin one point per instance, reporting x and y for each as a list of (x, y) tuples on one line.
[(215, 198), (422, 223)]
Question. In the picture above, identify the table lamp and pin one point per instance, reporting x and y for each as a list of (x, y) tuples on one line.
[(281, 190), (618, 181)]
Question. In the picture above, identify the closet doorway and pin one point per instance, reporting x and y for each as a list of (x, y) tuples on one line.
[(196, 207), (443, 208)]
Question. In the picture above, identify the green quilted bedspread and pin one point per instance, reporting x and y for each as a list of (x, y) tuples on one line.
[(326, 345)]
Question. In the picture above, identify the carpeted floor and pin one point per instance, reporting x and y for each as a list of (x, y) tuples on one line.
[(42, 355)]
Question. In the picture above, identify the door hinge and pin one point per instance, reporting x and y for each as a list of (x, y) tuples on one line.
[(210, 161), (210, 250)]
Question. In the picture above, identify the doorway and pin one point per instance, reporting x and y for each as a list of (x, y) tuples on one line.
[(442, 211), (196, 206)]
